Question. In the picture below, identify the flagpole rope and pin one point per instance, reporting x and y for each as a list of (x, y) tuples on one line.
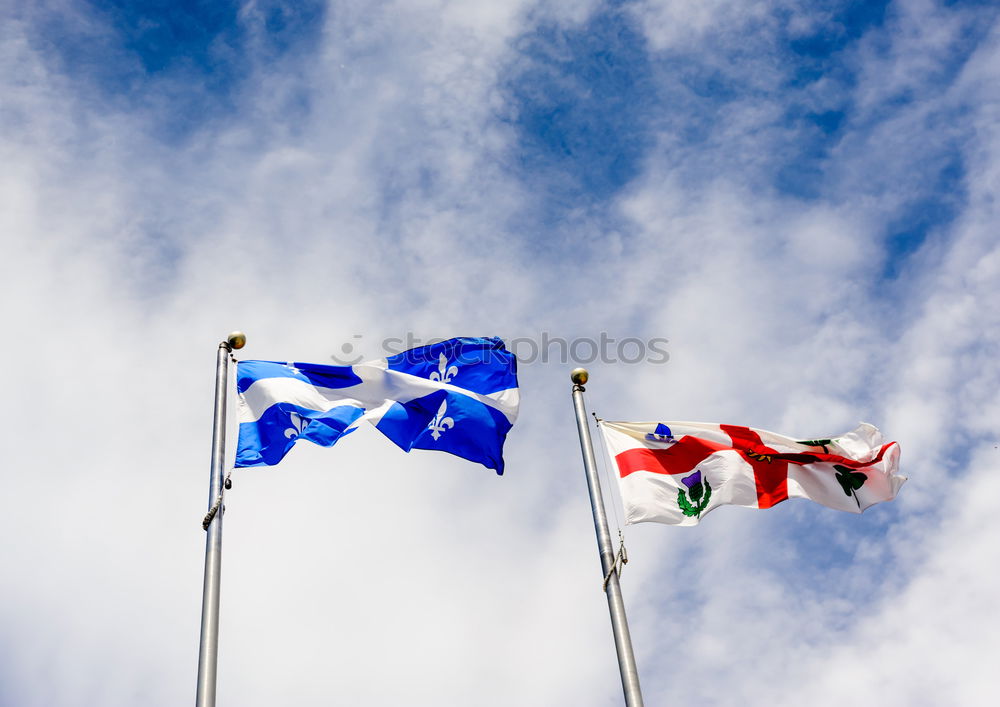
[(207, 520), (621, 557), (607, 477), (227, 484)]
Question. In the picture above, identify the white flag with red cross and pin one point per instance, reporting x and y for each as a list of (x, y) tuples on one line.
[(676, 472)]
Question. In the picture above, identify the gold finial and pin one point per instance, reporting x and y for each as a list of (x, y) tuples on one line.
[(237, 340), (579, 376)]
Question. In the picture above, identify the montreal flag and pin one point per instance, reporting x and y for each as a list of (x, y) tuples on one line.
[(676, 472)]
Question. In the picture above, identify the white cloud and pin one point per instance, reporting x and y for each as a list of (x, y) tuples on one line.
[(672, 24), (366, 576)]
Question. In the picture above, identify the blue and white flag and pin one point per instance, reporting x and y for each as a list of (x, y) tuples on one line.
[(458, 396)]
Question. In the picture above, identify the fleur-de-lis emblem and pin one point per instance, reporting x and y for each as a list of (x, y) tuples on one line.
[(444, 373), (298, 422), (440, 423), (661, 434)]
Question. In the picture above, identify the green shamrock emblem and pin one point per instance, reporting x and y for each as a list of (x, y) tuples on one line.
[(850, 481)]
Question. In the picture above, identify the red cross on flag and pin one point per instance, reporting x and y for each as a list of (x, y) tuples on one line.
[(676, 472)]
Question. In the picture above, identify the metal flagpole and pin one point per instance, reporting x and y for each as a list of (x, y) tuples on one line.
[(208, 652), (619, 623)]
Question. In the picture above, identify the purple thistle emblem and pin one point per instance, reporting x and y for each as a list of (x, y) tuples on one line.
[(699, 493), (695, 487)]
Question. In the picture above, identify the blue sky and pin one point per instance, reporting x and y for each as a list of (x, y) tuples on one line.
[(800, 197), (585, 102)]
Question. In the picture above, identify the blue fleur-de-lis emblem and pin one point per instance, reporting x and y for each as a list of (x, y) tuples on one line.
[(444, 373), (298, 422), (440, 423), (661, 434)]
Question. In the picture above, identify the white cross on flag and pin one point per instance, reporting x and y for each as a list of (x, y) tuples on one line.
[(676, 472)]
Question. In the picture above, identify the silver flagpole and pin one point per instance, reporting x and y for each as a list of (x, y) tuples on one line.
[(619, 623), (208, 652)]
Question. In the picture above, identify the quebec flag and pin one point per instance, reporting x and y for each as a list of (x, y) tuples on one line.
[(458, 396)]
